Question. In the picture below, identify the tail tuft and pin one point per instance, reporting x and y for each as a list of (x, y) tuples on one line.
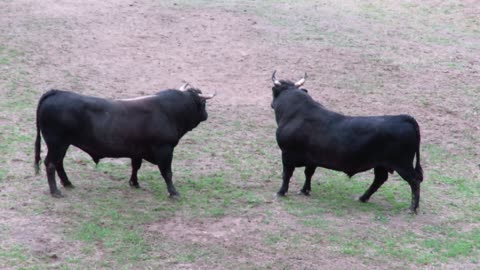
[(38, 142), (418, 167)]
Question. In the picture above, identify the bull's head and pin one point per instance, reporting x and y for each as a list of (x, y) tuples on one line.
[(185, 87), (298, 84), (199, 98), (282, 85)]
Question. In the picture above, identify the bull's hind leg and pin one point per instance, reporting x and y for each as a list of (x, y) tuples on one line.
[(53, 161), (307, 187), (287, 174), (381, 175), (410, 176), (52, 183), (136, 164)]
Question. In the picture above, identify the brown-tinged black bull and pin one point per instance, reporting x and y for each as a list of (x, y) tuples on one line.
[(311, 136), (147, 128)]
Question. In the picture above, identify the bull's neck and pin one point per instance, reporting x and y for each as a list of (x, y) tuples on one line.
[(185, 122)]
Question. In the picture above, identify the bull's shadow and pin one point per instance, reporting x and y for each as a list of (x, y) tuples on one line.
[(337, 193)]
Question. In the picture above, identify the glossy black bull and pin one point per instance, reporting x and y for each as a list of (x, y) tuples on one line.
[(147, 127), (311, 136)]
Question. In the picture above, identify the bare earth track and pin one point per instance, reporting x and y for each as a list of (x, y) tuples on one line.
[(379, 57)]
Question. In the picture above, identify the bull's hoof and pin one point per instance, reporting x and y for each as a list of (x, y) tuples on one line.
[(57, 194), (304, 192), (68, 185), (134, 184), (174, 196), (281, 194), (412, 211), (363, 199)]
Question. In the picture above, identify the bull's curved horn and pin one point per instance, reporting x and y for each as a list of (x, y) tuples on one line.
[(301, 81), (183, 87), (274, 79), (208, 96)]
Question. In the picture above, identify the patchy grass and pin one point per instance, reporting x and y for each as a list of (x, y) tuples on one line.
[(14, 255), (229, 167), (331, 206), (207, 196)]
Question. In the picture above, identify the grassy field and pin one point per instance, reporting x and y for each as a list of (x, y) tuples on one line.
[(364, 58)]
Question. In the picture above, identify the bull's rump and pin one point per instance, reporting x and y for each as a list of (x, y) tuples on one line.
[(352, 144)]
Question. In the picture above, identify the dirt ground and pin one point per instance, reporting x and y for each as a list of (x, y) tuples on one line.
[(129, 48)]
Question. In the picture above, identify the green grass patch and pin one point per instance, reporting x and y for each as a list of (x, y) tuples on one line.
[(207, 196), (116, 229), (3, 174), (120, 170), (334, 195), (315, 222), (338, 194), (191, 255), (436, 154), (452, 243), (14, 139), (423, 249), (373, 11), (272, 239), (13, 256), (7, 56)]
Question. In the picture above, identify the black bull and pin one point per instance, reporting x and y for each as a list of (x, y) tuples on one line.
[(311, 136), (142, 128)]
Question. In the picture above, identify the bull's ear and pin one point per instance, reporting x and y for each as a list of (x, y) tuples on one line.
[(275, 91), (304, 90)]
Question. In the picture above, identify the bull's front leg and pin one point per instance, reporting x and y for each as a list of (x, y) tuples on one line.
[(163, 159), (136, 164), (307, 186)]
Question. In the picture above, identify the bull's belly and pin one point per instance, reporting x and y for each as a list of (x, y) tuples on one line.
[(104, 151), (346, 164)]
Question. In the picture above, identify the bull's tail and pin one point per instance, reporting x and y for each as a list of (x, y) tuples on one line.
[(38, 144), (418, 167), (38, 141)]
